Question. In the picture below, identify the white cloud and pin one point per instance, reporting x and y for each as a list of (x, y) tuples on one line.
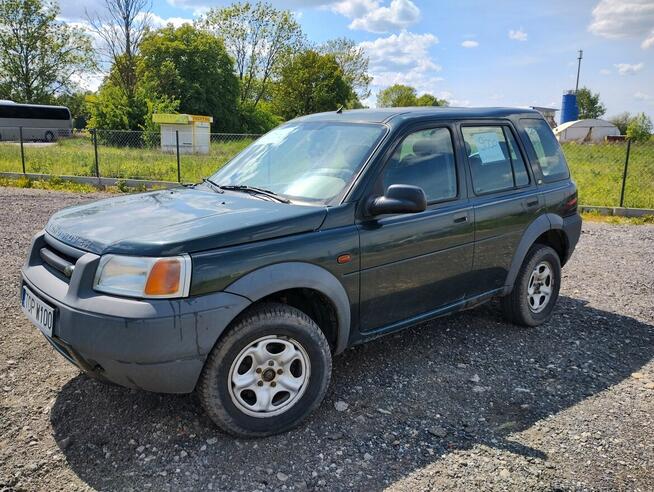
[(641, 96), (518, 35), (648, 42), (469, 43), (373, 16), (616, 19), (403, 59), (158, 21), (401, 52), (629, 68), (605, 71)]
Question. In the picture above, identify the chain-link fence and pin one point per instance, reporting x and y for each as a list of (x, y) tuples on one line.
[(180, 157), (608, 174), (613, 174)]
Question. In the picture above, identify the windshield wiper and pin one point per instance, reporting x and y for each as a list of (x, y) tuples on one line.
[(213, 185), (255, 189)]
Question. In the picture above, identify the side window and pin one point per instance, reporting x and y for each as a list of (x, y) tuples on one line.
[(547, 150), (425, 159), (518, 163), (494, 157)]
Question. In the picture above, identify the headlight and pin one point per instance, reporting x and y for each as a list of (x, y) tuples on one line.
[(135, 276)]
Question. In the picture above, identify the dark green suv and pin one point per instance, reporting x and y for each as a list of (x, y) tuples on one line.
[(330, 230)]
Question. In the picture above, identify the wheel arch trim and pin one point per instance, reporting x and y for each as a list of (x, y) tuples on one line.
[(545, 222), (298, 275)]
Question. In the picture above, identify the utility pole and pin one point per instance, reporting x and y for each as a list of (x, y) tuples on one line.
[(581, 55)]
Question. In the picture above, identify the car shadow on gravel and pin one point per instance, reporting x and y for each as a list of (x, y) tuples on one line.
[(412, 397)]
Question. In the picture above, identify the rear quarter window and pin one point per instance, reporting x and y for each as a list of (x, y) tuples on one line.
[(546, 149)]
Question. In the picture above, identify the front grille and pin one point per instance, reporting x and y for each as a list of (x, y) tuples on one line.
[(59, 258)]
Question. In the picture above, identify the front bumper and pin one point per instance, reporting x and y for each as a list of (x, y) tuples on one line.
[(156, 345)]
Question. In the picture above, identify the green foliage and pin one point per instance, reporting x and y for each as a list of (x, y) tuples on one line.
[(259, 37), (257, 119), (639, 128), (429, 100), (310, 83), (354, 63), (621, 121), (398, 95), (39, 55), (590, 106), (112, 108), (191, 66), (78, 106)]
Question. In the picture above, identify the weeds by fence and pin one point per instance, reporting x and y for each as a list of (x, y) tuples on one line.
[(119, 154), (607, 174), (616, 174)]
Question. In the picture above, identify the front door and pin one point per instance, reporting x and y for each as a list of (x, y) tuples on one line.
[(412, 264)]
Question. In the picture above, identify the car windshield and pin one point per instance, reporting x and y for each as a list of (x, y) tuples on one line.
[(303, 161)]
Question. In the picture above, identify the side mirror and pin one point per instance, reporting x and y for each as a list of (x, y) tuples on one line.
[(399, 199)]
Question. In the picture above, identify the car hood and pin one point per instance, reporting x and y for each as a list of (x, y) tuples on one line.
[(181, 220)]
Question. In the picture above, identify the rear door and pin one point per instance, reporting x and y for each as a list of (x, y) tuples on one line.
[(412, 264), (504, 197)]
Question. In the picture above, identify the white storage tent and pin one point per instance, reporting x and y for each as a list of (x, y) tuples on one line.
[(585, 131)]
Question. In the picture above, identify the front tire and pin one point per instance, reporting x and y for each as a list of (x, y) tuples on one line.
[(267, 373), (536, 288)]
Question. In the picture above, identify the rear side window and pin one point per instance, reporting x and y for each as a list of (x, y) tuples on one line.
[(496, 163), (547, 150)]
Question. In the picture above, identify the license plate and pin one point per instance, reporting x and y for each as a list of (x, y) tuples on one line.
[(38, 312)]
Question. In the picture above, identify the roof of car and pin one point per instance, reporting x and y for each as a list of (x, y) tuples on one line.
[(383, 115)]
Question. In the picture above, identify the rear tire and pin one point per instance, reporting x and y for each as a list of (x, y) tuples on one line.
[(267, 373), (536, 288), (49, 136)]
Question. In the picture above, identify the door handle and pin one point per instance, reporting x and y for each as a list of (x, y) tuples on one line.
[(531, 203), (460, 218)]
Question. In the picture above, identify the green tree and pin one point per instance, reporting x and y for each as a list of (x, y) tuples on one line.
[(192, 66), (354, 63), (111, 108), (397, 96), (621, 121), (640, 128), (590, 106), (120, 27), (259, 37), (310, 83), (76, 103), (40, 56), (429, 100)]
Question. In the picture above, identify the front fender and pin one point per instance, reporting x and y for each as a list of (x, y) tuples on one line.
[(298, 275)]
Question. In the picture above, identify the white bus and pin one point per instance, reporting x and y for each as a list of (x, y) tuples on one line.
[(38, 122)]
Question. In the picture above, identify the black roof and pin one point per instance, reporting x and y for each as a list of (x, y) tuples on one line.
[(384, 115)]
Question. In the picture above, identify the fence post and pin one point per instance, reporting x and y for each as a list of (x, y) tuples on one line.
[(22, 151), (94, 134), (624, 173), (179, 169)]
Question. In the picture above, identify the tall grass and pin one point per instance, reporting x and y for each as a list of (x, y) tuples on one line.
[(76, 157), (598, 168)]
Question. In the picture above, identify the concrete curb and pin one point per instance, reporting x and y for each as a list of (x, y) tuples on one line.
[(618, 211)]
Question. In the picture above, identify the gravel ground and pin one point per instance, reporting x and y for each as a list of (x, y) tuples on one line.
[(460, 403)]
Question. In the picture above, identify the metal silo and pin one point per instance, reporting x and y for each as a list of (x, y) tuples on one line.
[(569, 109)]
